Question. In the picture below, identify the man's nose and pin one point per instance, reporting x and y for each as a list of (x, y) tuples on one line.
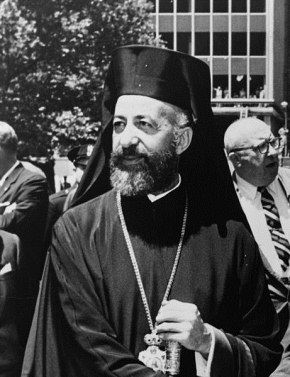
[(129, 136)]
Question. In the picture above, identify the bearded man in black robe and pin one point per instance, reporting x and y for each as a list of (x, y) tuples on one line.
[(146, 279)]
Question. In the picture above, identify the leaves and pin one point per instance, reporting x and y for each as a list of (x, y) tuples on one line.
[(54, 58)]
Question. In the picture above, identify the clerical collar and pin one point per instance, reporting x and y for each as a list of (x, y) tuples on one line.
[(153, 197), (6, 175)]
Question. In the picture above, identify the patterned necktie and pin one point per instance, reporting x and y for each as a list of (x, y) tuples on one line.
[(279, 239)]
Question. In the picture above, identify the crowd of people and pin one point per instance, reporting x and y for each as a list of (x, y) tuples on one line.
[(169, 256), (219, 93)]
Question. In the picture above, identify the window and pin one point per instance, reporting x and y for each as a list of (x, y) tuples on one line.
[(257, 83), (183, 6), (168, 38), (239, 44), (257, 43), (239, 86), (220, 43), (220, 86), (202, 43), (220, 6), (257, 6), (202, 6), (183, 42), (165, 6), (239, 6)]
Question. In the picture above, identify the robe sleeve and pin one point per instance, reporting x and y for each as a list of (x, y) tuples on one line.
[(254, 350), (259, 328)]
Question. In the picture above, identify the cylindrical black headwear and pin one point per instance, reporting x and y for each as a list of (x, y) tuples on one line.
[(166, 75)]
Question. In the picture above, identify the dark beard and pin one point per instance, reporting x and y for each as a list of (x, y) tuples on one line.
[(153, 174)]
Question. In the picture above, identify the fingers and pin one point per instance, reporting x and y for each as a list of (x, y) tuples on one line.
[(173, 327), (176, 311), (178, 332), (177, 337), (182, 322)]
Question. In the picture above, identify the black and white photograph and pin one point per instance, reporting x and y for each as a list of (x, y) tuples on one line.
[(144, 188)]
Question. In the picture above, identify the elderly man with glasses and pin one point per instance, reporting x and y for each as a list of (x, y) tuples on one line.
[(263, 189)]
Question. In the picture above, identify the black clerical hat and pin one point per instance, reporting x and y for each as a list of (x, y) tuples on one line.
[(166, 75), (172, 77)]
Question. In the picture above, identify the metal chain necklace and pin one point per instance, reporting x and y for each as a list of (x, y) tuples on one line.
[(152, 357)]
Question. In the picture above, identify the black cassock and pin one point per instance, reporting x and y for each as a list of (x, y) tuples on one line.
[(90, 320)]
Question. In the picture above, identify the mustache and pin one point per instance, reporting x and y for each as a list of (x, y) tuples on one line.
[(130, 151)]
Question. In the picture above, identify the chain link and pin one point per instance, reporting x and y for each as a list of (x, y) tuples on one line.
[(135, 264)]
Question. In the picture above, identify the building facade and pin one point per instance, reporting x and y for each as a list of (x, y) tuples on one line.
[(244, 42)]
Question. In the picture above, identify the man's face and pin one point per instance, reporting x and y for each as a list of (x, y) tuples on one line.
[(144, 158), (257, 168)]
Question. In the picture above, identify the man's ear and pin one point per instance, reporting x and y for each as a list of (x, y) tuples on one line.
[(235, 159), (184, 138)]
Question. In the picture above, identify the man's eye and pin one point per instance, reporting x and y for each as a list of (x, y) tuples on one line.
[(263, 147), (146, 126), (118, 126)]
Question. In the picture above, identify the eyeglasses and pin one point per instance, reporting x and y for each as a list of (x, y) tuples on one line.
[(263, 148)]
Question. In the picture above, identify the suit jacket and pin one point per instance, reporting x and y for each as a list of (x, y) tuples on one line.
[(10, 350), (28, 197), (29, 192), (55, 207), (58, 204), (282, 307)]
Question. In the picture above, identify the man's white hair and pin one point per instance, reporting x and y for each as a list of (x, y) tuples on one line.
[(8, 137), (241, 129)]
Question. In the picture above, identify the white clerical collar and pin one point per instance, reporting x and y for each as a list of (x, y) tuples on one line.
[(247, 189), (6, 175), (153, 197)]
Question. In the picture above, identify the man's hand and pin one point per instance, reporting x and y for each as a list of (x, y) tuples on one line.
[(182, 322), (10, 208)]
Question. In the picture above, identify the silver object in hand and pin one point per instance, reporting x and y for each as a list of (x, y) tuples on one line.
[(172, 365), (153, 357)]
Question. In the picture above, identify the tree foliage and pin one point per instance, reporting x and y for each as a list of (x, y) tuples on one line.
[(55, 56)]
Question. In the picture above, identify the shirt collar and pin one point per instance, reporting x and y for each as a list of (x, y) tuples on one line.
[(249, 190), (273, 186), (153, 198), (6, 175)]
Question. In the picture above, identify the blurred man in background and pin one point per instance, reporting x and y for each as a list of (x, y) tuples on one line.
[(23, 211), (60, 201), (10, 348)]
